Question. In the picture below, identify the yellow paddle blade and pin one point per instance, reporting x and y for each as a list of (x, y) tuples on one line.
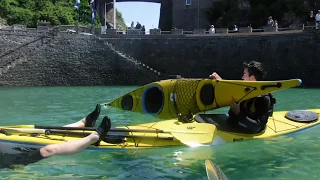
[(23, 130), (20, 126), (214, 172), (197, 133)]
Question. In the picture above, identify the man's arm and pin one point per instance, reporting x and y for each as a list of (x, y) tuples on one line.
[(262, 111)]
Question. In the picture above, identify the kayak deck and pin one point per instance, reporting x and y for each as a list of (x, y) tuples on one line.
[(277, 125), (115, 141)]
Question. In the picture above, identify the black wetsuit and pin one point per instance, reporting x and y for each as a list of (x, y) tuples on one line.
[(254, 114), (25, 158), (310, 20)]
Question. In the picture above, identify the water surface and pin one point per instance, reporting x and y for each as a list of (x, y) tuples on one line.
[(287, 157)]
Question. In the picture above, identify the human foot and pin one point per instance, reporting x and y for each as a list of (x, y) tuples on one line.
[(93, 116), (104, 128)]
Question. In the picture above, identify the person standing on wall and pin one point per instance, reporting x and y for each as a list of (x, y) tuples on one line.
[(317, 18)]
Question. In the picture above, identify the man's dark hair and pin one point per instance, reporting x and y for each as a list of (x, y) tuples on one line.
[(256, 69)]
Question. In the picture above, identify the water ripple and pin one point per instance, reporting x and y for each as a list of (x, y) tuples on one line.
[(287, 157)]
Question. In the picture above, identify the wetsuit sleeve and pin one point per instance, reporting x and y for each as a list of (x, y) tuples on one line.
[(11, 160), (262, 111)]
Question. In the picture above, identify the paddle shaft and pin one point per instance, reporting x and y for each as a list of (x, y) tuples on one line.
[(83, 134), (119, 130), (77, 134), (93, 129)]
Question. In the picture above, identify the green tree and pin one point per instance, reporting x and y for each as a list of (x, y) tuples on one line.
[(120, 21), (58, 12), (285, 11)]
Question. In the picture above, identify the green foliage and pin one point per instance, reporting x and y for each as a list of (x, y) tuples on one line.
[(225, 12), (58, 12), (120, 21)]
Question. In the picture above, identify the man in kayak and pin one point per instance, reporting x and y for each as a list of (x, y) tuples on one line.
[(71, 147), (250, 115)]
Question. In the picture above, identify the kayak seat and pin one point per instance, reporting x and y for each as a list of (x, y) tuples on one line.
[(3, 132), (220, 121), (114, 139), (303, 116)]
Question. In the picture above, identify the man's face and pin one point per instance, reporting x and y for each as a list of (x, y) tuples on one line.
[(246, 75)]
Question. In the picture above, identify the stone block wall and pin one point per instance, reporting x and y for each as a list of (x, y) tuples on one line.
[(285, 56), (74, 61), (9, 43), (86, 60), (193, 16)]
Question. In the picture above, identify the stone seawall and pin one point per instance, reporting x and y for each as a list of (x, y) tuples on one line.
[(71, 61), (85, 60), (286, 56)]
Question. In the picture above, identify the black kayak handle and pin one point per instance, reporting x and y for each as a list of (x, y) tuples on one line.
[(278, 85)]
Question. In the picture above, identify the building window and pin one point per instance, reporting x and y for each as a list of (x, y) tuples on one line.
[(188, 2)]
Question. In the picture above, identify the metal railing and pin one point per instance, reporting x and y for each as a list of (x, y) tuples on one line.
[(203, 31), (64, 29)]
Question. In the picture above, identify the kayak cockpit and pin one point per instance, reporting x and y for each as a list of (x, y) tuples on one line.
[(293, 118), (220, 121)]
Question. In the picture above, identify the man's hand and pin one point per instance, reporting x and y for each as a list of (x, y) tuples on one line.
[(235, 107), (216, 76)]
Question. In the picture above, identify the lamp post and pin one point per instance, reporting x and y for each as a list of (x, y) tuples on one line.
[(198, 14), (78, 20), (114, 15), (105, 14)]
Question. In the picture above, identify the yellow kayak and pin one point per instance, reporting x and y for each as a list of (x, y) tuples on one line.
[(167, 98), (205, 129)]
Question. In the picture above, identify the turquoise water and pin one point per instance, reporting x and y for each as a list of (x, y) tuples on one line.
[(288, 157)]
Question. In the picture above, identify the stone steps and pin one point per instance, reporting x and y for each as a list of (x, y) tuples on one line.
[(131, 59)]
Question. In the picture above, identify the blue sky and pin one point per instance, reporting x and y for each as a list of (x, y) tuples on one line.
[(146, 14)]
